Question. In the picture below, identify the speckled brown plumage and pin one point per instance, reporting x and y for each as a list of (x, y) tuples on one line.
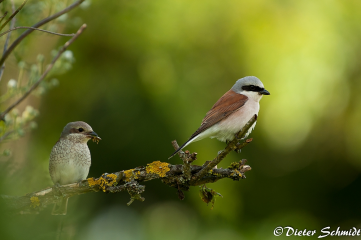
[(69, 161), (70, 158)]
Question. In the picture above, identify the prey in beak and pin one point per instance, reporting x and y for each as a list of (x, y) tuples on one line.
[(93, 136)]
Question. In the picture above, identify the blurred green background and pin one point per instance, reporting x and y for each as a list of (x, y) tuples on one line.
[(146, 72)]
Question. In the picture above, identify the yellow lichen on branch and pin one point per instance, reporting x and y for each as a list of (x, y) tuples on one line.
[(35, 202), (131, 174), (92, 182), (158, 167), (103, 181), (128, 174), (236, 173)]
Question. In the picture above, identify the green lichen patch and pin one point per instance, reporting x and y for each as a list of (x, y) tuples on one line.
[(235, 165), (236, 173), (35, 202)]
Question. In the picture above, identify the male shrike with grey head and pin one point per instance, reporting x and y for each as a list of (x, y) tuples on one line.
[(231, 112)]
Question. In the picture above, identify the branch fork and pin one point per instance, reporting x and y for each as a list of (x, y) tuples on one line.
[(232, 145)]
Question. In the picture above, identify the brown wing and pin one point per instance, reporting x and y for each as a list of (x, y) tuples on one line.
[(225, 106)]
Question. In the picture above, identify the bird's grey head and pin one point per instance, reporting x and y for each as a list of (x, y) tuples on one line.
[(78, 130), (251, 87)]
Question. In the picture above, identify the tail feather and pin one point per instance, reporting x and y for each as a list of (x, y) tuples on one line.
[(181, 147), (60, 208)]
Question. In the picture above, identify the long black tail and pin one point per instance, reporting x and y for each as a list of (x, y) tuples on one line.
[(180, 148)]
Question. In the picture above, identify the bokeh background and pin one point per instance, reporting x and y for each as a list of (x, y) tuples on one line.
[(146, 72)]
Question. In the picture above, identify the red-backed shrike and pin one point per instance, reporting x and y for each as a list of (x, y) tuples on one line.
[(231, 112)]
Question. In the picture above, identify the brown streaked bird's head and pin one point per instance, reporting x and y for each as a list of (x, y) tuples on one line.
[(79, 131)]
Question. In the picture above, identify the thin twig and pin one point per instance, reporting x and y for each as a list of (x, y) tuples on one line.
[(232, 145), (3, 137), (12, 24), (59, 34), (3, 17), (42, 22), (176, 147), (187, 160), (50, 66), (13, 15)]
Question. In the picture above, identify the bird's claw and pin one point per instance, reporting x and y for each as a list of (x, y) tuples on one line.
[(78, 183), (56, 189), (238, 150)]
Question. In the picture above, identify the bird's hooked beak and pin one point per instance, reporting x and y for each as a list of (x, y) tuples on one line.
[(93, 135), (264, 92)]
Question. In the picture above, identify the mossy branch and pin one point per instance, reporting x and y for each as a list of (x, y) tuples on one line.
[(128, 180), (181, 177)]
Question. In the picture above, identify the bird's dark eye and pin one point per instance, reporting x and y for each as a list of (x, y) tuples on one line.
[(81, 129), (252, 87)]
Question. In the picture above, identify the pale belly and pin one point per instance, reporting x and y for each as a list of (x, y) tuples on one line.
[(69, 162), (66, 172), (227, 128)]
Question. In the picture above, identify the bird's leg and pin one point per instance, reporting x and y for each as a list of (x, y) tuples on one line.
[(56, 189), (79, 182), (219, 152), (56, 186), (237, 150)]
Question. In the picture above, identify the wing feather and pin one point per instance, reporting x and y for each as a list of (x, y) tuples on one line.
[(225, 106)]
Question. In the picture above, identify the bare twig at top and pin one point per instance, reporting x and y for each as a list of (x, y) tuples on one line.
[(50, 66), (38, 29), (40, 23), (8, 38), (13, 15)]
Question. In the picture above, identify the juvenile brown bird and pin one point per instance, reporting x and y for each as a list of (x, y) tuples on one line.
[(70, 158)]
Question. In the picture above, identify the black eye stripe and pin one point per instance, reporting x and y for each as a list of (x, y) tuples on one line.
[(252, 88)]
